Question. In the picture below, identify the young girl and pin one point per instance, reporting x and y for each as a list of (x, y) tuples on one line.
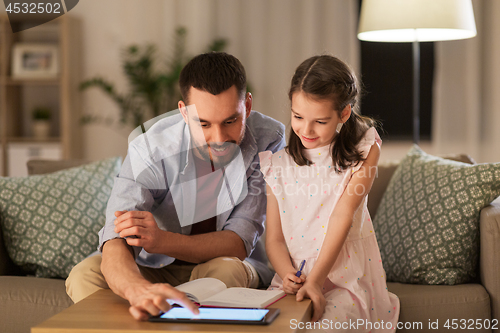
[(317, 203)]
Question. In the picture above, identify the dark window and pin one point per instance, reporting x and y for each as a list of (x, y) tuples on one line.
[(387, 75)]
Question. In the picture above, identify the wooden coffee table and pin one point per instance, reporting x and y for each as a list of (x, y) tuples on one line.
[(106, 312)]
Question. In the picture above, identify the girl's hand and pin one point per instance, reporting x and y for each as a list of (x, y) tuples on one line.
[(312, 291), (288, 283)]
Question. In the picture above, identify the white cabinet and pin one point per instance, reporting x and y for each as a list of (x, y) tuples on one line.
[(20, 153)]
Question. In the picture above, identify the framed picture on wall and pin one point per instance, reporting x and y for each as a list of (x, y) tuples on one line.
[(35, 61)]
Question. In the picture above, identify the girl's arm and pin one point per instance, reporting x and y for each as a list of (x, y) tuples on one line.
[(339, 224), (276, 248)]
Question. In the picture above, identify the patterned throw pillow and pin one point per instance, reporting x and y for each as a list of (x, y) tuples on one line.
[(50, 222), (427, 224)]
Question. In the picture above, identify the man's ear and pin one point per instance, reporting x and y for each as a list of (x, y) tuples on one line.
[(183, 109), (346, 113), (248, 104)]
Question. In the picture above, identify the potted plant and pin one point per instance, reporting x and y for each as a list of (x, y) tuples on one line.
[(41, 122), (153, 87)]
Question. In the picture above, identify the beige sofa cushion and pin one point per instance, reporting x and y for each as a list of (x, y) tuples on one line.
[(490, 254), (39, 167), (384, 174), (424, 304), (27, 301)]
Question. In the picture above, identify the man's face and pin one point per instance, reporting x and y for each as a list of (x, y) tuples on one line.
[(217, 122)]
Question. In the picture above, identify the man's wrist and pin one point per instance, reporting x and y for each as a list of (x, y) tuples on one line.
[(133, 289)]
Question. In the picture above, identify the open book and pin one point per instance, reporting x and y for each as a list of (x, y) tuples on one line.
[(213, 292)]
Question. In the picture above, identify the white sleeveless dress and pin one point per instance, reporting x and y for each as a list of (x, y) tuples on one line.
[(355, 288)]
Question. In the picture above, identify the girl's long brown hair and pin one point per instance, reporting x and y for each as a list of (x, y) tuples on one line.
[(327, 78)]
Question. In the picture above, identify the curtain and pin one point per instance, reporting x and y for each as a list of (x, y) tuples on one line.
[(466, 115), (271, 38)]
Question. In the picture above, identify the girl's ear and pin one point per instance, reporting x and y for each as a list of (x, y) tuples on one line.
[(346, 113)]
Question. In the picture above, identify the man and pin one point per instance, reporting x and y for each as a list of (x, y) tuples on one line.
[(190, 200)]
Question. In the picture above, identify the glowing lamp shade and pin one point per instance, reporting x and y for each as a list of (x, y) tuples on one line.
[(416, 20)]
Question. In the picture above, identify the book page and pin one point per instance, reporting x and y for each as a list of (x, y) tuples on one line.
[(244, 298), (200, 289)]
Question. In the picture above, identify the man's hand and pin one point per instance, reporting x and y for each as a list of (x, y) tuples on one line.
[(312, 290), (143, 226), (151, 299), (292, 283)]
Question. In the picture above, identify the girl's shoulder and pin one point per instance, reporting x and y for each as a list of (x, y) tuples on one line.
[(368, 140), (365, 144), (268, 160)]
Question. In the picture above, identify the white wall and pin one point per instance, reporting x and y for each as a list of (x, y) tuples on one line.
[(466, 110), (107, 27), (271, 38)]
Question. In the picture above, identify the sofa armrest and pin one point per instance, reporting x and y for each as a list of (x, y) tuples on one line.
[(489, 257)]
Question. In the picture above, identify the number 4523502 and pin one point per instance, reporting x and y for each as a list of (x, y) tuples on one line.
[(33, 8)]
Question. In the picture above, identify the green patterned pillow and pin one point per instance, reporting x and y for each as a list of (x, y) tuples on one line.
[(50, 222), (427, 224)]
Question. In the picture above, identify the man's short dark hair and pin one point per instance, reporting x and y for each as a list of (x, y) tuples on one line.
[(212, 72)]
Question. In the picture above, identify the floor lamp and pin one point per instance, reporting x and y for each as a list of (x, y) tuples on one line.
[(416, 21)]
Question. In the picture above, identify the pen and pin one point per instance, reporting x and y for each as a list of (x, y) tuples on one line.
[(299, 272)]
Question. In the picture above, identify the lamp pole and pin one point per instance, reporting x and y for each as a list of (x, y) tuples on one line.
[(416, 91), (416, 21)]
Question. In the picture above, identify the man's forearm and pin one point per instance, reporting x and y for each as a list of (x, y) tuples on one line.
[(203, 247), (119, 268)]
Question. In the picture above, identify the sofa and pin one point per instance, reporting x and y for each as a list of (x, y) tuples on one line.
[(470, 302), (25, 301)]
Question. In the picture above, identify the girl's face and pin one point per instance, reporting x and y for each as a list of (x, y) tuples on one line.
[(315, 122)]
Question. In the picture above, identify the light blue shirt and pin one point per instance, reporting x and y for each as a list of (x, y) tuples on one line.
[(157, 176)]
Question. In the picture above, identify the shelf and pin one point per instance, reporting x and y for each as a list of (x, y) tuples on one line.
[(23, 18), (29, 139), (32, 82), (19, 96)]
